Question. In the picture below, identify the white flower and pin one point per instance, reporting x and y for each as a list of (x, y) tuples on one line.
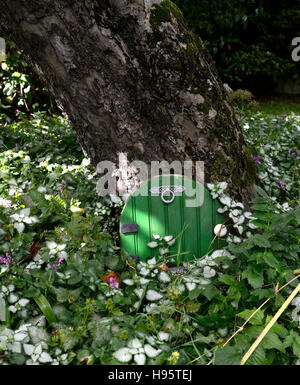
[(240, 220), (150, 351), (164, 277), (237, 239), (238, 204), (223, 185), (204, 281), (190, 286), (135, 343), (19, 227), (162, 336), (150, 307), (144, 281), (223, 332), (152, 244), (152, 262), (136, 350), (138, 292), (140, 359), (220, 253), (208, 272), (240, 229), (170, 243), (21, 337), (15, 347), (23, 302), (45, 357), (156, 236), (12, 298), (28, 349), (252, 226), (123, 355), (57, 249), (220, 230), (144, 271), (163, 251), (42, 189), (235, 212), (226, 201), (153, 295)]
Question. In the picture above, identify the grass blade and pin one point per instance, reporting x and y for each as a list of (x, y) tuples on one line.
[(46, 308), (4, 312), (270, 324)]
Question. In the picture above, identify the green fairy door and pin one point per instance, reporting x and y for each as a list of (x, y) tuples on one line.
[(170, 205)]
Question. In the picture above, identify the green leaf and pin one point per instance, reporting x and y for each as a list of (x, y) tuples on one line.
[(112, 262), (263, 216), (288, 341), (39, 198), (258, 357), (272, 341), (297, 215), (31, 292), (296, 347), (228, 280), (257, 319), (261, 240), (194, 293), (260, 207), (253, 331), (68, 338), (210, 292), (62, 314), (74, 294), (258, 200), (277, 328), (74, 278), (228, 355), (261, 192), (17, 359), (233, 294), (255, 280), (61, 293), (159, 360), (270, 259), (260, 224), (46, 309), (277, 246)]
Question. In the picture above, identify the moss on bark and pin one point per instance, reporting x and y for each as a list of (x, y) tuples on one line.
[(164, 12)]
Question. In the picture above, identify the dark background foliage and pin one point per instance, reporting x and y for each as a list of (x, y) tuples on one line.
[(250, 40)]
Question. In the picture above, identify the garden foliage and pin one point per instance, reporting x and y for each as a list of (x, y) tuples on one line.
[(249, 40), (68, 294)]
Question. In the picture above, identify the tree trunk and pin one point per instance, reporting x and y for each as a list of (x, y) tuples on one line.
[(132, 78)]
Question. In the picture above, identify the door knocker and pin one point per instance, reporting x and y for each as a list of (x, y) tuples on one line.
[(163, 191)]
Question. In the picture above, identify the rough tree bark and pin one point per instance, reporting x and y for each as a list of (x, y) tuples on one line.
[(132, 78)]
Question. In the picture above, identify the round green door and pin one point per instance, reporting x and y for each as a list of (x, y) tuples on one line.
[(164, 205)]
